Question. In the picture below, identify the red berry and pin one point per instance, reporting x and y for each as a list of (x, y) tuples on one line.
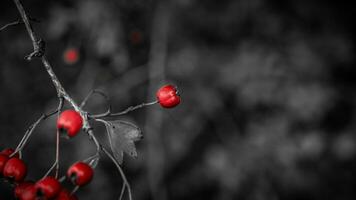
[(70, 121), (71, 56), (80, 173), (22, 188), (8, 152), (48, 187), (3, 161), (15, 169), (25, 192), (135, 37), (168, 96), (65, 195)]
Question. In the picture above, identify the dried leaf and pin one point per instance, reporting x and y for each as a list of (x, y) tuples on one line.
[(122, 136)]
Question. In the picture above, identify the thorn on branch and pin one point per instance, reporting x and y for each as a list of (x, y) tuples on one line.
[(39, 50)]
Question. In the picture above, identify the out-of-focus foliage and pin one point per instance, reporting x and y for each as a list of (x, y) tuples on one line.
[(268, 94)]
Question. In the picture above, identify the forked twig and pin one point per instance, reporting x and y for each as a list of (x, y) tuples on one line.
[(39, 51), (96, 91), (36, 43), (17, 22), (127, 110), (30, 130), (121, 173)]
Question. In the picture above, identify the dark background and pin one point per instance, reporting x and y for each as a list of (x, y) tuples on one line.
[(268, 94)]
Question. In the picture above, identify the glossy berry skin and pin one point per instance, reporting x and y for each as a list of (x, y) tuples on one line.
[(80, 173), (15, 169), (25, 191), (71, 56), (168, 96), (48, 188), (70, 121), (3, 161), (65, 195), (8, 152)]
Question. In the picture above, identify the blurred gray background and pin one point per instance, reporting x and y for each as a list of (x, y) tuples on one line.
[(268, 94)]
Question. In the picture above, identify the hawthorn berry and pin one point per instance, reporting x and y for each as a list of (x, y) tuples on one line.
[(3, 161), (48, 188), (80, 173), (65, 195), (25, 191), (8, 152), (168, 96), (15, 169), (70, 121), (135, 37), (71, 56)]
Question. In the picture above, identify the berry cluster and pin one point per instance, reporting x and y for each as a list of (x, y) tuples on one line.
[(14, 170), (69, 122)]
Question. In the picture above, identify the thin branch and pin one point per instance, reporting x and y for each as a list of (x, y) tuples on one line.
[(17, 22), (56, 162), (62, 179), (54, 165), (26, 20), (30, 130), (75, 189), (39, 48), (36, 43), (121, 172), (11, 24), (91, 93), (58, 140), (127, 110), (122, 191)]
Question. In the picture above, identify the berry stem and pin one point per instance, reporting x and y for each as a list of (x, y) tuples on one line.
[(93, 160), (126, 183), (57, 154), (54, 165), (30, 130), (122, 191), (127, 110), (96, 91), (62, 179), (75, 189)]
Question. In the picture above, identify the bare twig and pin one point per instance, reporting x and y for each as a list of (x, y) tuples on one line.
[(60, 106), (121, 172), (36, 43), (38, 47), (96, 91), (17, 22), (122, 191), (127, 110), (75, 189), (11, 24), (56, 162), (30, 130), (38, 51)]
